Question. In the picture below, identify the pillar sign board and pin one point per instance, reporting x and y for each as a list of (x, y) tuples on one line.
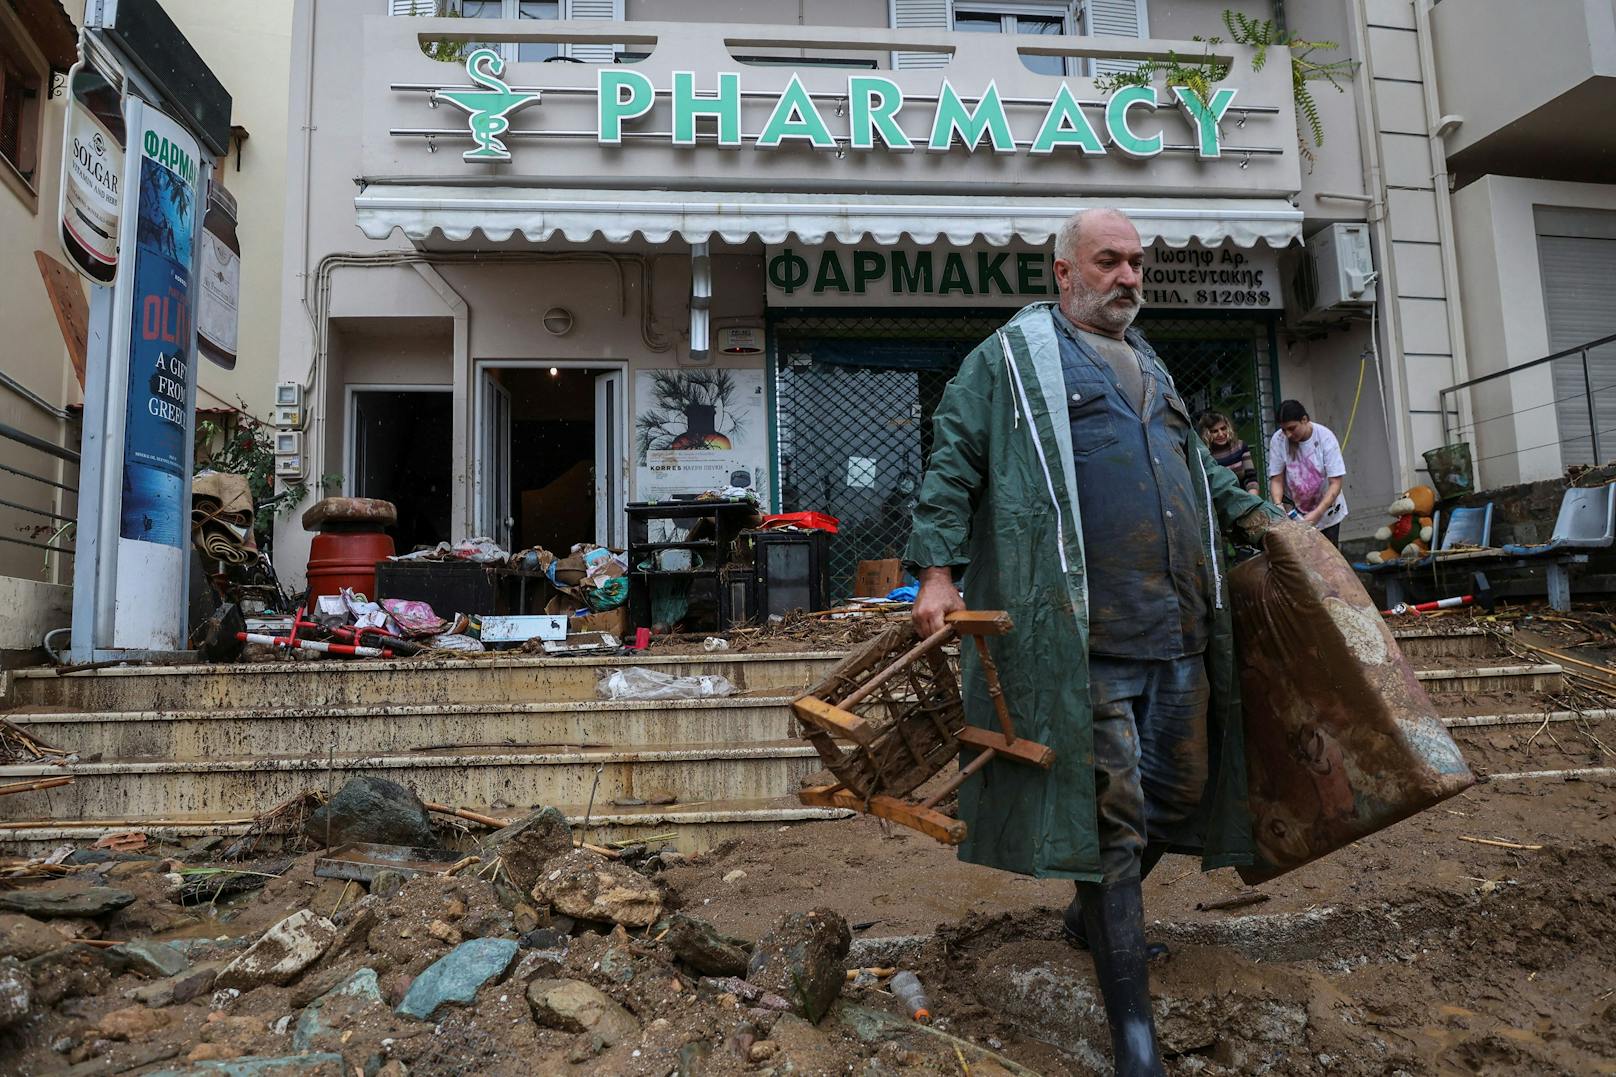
[(1199, 278), (133, 554)]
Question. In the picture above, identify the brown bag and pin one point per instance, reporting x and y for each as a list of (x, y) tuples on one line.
[(1341, 739)]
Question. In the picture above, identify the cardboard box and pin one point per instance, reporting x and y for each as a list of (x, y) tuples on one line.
[(876, 579), (613, 621)]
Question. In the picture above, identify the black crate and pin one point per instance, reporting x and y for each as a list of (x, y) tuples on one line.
[(792, 570), (449, 587)]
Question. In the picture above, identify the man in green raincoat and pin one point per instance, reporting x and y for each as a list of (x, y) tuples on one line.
[(1068, 484)]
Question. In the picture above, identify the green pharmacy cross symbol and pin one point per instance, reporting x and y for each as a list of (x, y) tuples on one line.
[(489, 106)]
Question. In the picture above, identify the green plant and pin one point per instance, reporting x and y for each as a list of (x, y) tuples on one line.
[(239, 444), (443, 50), (1261, 35)]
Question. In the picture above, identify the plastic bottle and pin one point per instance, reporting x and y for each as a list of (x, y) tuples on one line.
[(906, 985)]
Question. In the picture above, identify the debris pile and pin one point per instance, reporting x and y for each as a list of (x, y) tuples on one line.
[(529, 955)]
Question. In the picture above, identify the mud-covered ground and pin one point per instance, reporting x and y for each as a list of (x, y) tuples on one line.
[(1478, 937)]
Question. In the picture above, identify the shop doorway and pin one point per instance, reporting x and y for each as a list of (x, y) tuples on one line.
[(552, 454), (855, 392), (400, 450)]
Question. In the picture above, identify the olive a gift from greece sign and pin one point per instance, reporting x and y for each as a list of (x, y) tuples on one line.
[(1220, 278)]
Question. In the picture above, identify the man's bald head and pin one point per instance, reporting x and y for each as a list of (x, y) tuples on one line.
[(1099, 267), (1070, 236)]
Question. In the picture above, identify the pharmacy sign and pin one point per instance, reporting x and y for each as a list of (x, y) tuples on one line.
[(869, 114)]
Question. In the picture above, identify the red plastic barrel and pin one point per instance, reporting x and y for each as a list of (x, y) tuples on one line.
[(339, 559)]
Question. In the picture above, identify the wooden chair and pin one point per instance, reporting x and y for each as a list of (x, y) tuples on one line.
[(890, 717)]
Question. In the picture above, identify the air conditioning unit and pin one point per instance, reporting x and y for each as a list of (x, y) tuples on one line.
[(1332, 275)]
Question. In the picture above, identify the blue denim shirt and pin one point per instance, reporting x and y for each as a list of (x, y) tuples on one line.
[(1148, 580)]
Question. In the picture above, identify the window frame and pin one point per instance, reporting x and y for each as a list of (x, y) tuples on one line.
[(1008, 11), (18, 52), (512, 9)]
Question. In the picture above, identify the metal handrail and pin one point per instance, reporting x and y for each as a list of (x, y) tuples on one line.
[(1580, 350), (49, 448)]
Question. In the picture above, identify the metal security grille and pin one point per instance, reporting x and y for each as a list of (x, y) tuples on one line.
[(854, 396)]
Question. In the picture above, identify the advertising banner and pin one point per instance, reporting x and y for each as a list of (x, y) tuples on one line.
[(700, 429), (156, 505), (92, 171)]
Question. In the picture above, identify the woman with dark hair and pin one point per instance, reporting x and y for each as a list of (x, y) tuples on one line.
[(1304, 458)]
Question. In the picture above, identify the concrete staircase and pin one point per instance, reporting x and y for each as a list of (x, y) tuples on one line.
[(198, 749), (202, 749)]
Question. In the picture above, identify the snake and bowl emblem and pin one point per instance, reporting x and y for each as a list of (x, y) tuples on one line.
[(489, 107)]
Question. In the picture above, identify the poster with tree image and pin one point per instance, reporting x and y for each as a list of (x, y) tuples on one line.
[(698, 430)]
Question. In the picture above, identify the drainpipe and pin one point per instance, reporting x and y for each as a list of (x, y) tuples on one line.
[(1436, 128), (1402, 427)]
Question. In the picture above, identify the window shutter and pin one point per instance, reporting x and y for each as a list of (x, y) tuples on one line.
[(602, 10), (412, 7), (1116, 18), (920, 15)]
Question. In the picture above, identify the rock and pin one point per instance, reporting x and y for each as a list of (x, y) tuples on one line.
[(372, 810), (71, 972), (123, 869), (183, 987), (699, 945), (457, 976), (23, 937), (454, 909), (386, 884), (444, 933), (132, 1023), (591, 887), (544, 938), (762, 1051), (280, 953), (152, 959), (734, 876), (360, 988), (16, 992), (574, 1006), (355, 924), (525, 918), (213, 1052), (486, 922), (224, 1028), (76, 927), (528, 844), (801, 960), (61, 901)]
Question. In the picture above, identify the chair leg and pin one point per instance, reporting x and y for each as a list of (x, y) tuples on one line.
[(1559, 586), (1396, 592)]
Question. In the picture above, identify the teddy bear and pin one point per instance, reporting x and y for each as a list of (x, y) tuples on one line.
[(1409, 534)]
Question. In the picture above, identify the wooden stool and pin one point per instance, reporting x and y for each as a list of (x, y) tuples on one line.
[(890, 717)]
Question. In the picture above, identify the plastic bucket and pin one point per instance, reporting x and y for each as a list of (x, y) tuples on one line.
[(339, 559), (1452, 473)]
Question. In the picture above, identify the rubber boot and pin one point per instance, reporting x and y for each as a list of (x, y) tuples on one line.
[(1072, 923), (1115, 917)]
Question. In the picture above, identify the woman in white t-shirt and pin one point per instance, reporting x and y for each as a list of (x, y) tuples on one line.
[(1304, 459)]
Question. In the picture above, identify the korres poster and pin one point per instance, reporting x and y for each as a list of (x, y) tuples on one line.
[(700, 429)]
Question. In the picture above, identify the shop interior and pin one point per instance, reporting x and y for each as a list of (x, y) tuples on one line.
[(399, 455)]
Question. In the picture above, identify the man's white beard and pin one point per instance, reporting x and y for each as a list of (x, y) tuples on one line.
[(1095, 309)]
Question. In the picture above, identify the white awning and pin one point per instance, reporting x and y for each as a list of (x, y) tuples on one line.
[(539, 214)]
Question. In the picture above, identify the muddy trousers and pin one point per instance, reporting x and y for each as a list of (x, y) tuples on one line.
[(1150, 753)]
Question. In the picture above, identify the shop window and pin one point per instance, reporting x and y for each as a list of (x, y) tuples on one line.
[(533, 51), (21, 85), (1040, 20)]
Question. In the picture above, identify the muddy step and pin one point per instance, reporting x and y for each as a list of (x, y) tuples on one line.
[(1502, 678), (405, 728), (284, 685), (694, 827), (1552, 741), (1423, 645), (157, 788)]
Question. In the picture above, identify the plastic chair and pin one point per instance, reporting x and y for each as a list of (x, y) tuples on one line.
[(1587, 521), (1468, 527)]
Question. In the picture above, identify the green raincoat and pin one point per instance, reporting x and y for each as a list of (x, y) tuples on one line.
[(999, 499)]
